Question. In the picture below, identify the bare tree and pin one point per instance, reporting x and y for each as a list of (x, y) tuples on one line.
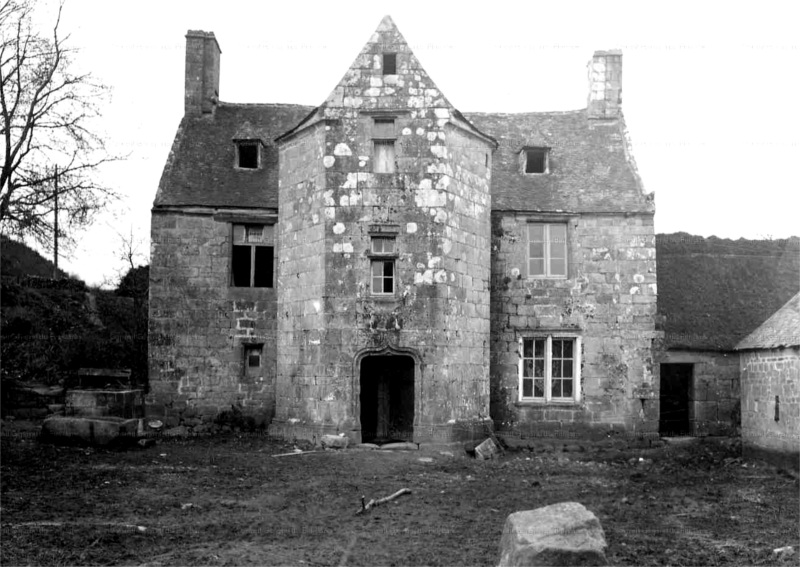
[(51, 153)]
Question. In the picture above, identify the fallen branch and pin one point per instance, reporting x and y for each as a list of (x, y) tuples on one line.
[(297, 453), (372, 503)]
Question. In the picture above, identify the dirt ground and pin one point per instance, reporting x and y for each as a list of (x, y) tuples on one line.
[(228, 501)]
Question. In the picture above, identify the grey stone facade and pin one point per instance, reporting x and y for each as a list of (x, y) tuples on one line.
[(386, 267)]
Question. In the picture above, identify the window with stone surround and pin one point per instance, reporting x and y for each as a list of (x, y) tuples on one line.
[(248, 154), (390, 63), (535, 160), (253, 359), (382, 265), (252, 256), (549, 368), (547, 250), (383, 144)]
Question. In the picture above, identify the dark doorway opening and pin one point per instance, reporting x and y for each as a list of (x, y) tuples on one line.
[(387, 399), (676, 387)]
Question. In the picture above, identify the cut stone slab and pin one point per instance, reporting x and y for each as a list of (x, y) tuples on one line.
[(557, 535), (487, 450), (90, 430), (400, 447), (370, 446), (334, 442)]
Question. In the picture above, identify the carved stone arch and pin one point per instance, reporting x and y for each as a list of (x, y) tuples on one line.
[(385, 350)]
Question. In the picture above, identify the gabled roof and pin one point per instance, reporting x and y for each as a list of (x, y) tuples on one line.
[(590, 169), (713, 292), (779, 331), (200, 168)]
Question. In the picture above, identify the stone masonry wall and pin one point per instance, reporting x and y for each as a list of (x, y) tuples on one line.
[(766, 374), (437, 205), (608, 298), (198, 324), (714, 397)]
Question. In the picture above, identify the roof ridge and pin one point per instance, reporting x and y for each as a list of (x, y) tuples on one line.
[(553, 112)]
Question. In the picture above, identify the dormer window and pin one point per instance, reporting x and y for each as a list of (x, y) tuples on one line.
[(535, 160), (247, 154), (390, 63)]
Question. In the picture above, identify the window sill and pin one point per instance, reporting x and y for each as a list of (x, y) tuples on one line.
[(384, 298), (566, 404)]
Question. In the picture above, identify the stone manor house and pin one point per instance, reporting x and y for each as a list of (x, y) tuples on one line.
[(387, 267)]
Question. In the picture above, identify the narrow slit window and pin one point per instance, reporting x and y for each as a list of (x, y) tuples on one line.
[(390, 63)]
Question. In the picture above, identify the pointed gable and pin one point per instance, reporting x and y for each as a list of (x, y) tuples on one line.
[(779, 331)]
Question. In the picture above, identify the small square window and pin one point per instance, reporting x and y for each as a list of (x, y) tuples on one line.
[(247, 155), (383, 156), (536, 160), (382, 245), (390, 63), (253, 360)]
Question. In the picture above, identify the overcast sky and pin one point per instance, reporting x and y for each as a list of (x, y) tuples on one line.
[(710, 89)]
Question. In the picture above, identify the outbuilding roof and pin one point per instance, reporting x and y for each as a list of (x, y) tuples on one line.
[(779, 331)]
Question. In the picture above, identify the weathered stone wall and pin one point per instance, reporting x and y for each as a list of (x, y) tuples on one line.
[(766, 374), (436, 204), (714, 396), (198, 324), (608, 299)]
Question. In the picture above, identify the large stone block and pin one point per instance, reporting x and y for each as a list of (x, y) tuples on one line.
[(560, 534)]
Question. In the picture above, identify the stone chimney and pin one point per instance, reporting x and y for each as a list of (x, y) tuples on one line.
[(605, 84), (202, 72)]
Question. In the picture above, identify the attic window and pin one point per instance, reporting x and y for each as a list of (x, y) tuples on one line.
[(535, 160), (390, 63), (247, 155)]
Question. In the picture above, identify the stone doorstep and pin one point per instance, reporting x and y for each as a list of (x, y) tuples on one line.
[(91, 430)]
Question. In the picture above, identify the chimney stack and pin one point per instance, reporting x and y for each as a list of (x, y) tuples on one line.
[(202, 72), (605, 84)]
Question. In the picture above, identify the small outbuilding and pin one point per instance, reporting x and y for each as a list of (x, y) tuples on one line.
[(769, 360)]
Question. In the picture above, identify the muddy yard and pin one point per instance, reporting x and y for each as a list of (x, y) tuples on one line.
[(229, 501)]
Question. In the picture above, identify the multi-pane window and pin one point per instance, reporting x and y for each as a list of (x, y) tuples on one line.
[(383, 143), (550, 368), (252, 256), (547, 250), (382, 269)]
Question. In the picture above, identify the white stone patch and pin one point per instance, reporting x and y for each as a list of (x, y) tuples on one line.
[(431, 92), (424, 278), (634, 290), (392, 80), (433, 262), (314, 341), (337, 247), (441, 112), (420, 131), (328, 161), (344, 201), (362, 163), (347, 247), (452, 277), (388, 91), (415, 102), (330, 213), (443, 183), (440, 276), (315, 218), (515, 272), (351, 183), (420, 266), (338, 228), (327, 196), (327, 128), (447, 245), (413, 91), (375, 81), (653, 288), (439, 151), (372, 91), (638, 278), (431, 136), (406, 131), (353, 101), (425, 184), (355, 198), (317, 305), (342, 150), (411, 227), (442, 135), (441, 216)]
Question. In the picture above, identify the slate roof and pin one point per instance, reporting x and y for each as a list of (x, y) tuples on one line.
[(200, 168), (590, 169), (713, 292), (779, 331)]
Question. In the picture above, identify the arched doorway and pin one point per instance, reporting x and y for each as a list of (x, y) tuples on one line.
[(387, 398)]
